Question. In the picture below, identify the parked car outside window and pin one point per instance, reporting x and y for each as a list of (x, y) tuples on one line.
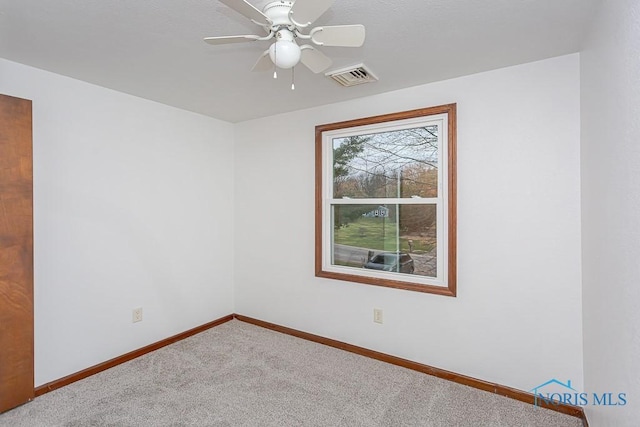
[(398, 262)]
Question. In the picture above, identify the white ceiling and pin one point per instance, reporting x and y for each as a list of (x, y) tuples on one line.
[(154, 48)]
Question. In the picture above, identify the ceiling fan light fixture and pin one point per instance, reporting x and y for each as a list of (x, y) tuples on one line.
[(285, 54), (288, 21)]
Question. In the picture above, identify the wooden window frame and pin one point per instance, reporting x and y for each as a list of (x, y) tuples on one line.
[(449, 288)]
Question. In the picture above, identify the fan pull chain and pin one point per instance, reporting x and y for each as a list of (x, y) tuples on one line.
[(275, 61), (293, 75)]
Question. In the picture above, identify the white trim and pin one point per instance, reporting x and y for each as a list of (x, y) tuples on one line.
[(388, 275), (387, 201)]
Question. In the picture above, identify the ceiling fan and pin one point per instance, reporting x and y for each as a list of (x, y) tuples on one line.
[(286, 21)]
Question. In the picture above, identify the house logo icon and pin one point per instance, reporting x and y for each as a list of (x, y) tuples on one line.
[(553, 381)]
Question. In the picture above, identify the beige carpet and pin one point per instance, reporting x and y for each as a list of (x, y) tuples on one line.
[(238, 374)]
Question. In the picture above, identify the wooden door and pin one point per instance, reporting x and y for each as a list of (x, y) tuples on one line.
[(16, 253)]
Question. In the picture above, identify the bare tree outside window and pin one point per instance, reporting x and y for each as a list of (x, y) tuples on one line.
[(396, 164), (401, 163)]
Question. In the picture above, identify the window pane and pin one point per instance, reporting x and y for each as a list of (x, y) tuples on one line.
[(393, 238), (401, 163)]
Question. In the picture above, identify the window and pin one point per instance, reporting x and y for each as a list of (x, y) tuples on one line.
[(386, 200)]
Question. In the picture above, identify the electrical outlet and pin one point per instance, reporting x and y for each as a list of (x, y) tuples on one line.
[(377, 315), (137, 315)]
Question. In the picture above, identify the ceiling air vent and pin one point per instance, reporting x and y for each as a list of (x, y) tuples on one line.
[(351, 76)]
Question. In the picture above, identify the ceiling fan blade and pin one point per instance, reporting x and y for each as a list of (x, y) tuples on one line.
[(247, 9), (315, 60), (231, 39), (304, 12), (264, 62), (339, 35)]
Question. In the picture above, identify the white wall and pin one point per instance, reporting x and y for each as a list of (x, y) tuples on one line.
[(517, 318), (610, 67), (132, 207)]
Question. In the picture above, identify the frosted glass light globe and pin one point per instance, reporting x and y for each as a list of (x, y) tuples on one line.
[(284, 53)]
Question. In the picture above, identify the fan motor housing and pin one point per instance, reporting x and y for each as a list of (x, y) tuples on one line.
[(278, 12)]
